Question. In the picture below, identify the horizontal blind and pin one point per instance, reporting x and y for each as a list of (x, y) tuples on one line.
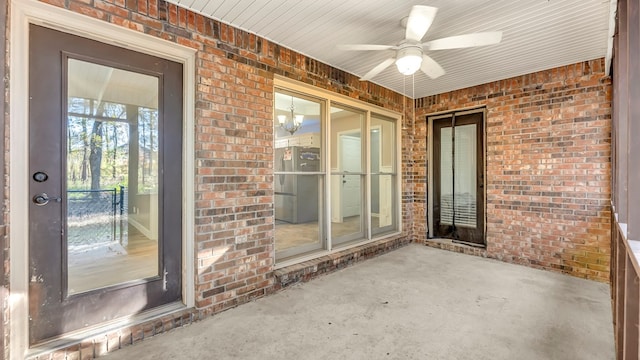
[(464, 199)]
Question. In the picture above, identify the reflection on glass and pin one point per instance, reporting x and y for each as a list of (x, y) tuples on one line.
[(112, 176), (298, 179), (458, 198), (383, 178), (297, 211), (347, 174)]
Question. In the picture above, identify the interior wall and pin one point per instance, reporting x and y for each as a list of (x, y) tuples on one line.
[(547, 171), (351, 123), (386, 128)]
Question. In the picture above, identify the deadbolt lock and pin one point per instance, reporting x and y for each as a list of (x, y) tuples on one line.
[(40, 176)]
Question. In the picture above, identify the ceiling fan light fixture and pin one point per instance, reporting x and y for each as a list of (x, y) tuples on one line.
[(409, 60)]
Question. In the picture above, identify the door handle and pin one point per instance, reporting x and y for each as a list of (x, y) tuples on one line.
[(43, 199)]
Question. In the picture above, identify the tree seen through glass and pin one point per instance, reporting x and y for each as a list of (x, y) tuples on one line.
[(99, 143)]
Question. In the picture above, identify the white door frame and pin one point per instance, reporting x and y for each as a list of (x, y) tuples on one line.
[(23, 13)]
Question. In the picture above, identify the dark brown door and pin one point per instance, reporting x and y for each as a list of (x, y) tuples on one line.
[(458, 177), (105, 155)]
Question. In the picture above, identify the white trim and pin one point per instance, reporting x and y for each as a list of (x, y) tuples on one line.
[(18, 190), (23, 13)]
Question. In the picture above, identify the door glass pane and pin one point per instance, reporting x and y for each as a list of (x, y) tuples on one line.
[(382, 155), (347, 174), (112, 176), (298, 175), (461, 190), (465, 175), (446, 176)]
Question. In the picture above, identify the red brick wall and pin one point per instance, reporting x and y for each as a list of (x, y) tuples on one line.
[(548, 148)]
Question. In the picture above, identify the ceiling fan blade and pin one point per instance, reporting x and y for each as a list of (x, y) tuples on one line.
[(378, 69), (464, 41), (365, 47), (431, 67), (419, 21)]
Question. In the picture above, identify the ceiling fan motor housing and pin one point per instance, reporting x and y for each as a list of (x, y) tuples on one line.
[(409, 59)]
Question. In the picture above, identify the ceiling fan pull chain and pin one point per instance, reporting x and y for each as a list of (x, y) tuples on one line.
[(404, 100), (413, 104)]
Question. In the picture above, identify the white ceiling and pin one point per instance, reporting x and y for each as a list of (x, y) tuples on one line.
[(537, 34)]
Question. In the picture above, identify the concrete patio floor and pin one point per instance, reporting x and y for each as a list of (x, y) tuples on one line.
[(413, 303)]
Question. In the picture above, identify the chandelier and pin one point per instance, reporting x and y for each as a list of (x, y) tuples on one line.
[(292, 125)]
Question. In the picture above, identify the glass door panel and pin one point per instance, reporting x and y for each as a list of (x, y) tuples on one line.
[(446, 176), (465, 196), (383, 177), (458, 193), (347, 175), (298, 176), (112, 213)]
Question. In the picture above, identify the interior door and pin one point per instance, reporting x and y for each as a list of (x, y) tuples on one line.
[(105, 158), (458, 176), (351, 158)]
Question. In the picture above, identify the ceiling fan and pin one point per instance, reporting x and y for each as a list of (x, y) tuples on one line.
[(410, 54)]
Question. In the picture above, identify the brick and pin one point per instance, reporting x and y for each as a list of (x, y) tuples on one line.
[(87, 10), (58, 3), (111, 9), (127, 23), (146, 21)]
